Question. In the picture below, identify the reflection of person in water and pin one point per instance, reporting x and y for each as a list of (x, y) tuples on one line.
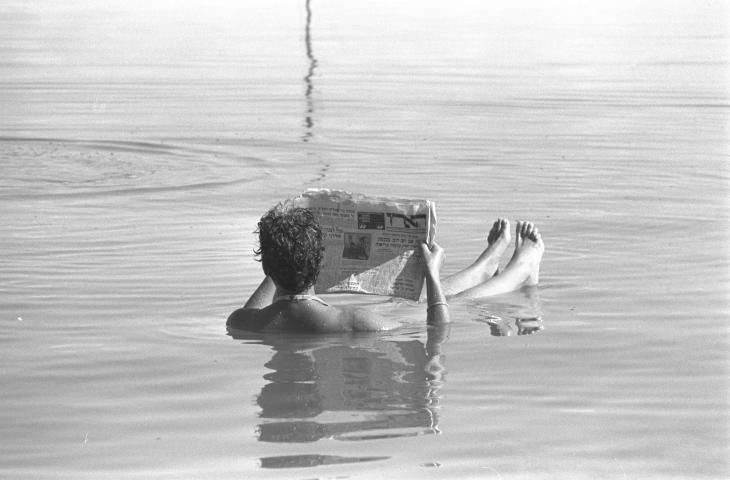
[(357, 388)]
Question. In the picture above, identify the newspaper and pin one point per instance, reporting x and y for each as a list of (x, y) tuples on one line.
[(372, 244)]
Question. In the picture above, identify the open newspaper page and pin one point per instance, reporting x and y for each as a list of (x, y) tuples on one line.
[(371, 244)]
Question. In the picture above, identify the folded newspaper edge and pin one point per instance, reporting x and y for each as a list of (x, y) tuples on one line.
[(372, 244)]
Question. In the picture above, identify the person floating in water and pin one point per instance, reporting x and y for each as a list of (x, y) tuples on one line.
[(291, 251)]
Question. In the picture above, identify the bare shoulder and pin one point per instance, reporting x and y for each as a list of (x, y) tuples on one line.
[(245, 319), (359, 319)]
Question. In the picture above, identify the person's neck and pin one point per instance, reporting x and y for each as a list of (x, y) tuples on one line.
[(280, 292)]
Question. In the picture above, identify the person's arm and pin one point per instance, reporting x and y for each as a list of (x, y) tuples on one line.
[(437, 315), (263, 296), (437, 312), (247, 316)]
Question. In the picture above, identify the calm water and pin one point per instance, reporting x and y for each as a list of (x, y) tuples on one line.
[(140, 141)]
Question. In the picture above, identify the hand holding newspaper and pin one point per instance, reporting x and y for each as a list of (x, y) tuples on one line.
[(371, 243)]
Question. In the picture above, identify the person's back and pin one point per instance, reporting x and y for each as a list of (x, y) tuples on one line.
[(307, 313)]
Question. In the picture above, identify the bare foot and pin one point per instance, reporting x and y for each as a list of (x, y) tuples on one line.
[(523, 268), (528, 251), (497, 240), (499, 232), (486, 265)]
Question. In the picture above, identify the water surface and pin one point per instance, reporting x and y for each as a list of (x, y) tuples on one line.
[(140, 142)]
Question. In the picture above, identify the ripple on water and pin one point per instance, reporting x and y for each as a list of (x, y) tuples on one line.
[(90, 168)]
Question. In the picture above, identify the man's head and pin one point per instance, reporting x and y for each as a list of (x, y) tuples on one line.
[(290, 246)]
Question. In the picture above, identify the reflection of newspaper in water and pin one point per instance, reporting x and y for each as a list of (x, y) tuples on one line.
[(371, 244)]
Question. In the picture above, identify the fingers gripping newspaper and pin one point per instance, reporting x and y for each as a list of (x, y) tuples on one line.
[(372, 244)]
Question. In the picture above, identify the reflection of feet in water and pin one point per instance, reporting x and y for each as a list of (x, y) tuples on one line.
[(528, 326), (497, 326), (500, 327)]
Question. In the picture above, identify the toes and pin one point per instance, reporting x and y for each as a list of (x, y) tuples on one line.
[(499, 228), (493, 233), (505, 225), (535, 235), (518, 234), (526, 230), (529, 228)]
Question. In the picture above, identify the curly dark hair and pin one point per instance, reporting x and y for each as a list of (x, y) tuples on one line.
[(290, 247)]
